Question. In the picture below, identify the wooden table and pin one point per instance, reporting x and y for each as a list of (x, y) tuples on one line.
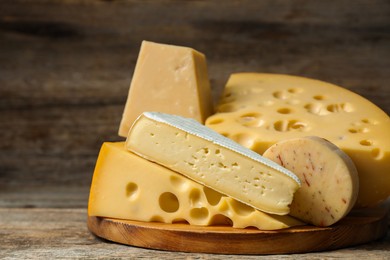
[(65, 69)]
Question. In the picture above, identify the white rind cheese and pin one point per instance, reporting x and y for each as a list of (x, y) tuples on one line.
[(213, 160)]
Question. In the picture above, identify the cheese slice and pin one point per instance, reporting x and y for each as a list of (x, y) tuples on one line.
[(170, 79), (126, 186), (186, 146), (330, 181), (257, 110)]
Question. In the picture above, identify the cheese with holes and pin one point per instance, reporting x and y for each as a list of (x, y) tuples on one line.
[(126, 186), (186, 146), (330, 181), (258, 110), (170, 79)]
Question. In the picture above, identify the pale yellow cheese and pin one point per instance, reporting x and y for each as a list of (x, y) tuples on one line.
[(330, 181), (126, 186), (170, 79), (258, 110), (203, 155)]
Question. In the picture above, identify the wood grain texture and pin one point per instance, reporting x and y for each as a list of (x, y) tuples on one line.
[(358, 228), (63, 234), (65, 69)]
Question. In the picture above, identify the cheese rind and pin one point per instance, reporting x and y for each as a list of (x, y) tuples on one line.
[(330, 181), (257, 110), (170, 79), (203, 155), (126, 186)]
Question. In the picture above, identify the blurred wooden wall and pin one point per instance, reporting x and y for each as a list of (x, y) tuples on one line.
[(66, 66)]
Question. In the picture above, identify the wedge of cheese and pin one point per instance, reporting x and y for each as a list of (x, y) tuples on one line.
[(257, 110), (186, 146), (330, 181), (126, 186), (170, 79)]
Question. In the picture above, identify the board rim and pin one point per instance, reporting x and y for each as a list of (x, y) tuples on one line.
[(227, 240)]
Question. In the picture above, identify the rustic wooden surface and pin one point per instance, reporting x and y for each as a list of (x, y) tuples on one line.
[(359, 227), (65, 68), (62, 233)]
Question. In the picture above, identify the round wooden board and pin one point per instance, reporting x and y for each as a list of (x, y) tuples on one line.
[(357, 228)]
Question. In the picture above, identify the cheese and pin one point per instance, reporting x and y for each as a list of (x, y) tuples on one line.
[(330, 181), (126, 186), (258, 110), (170, 79), (186, 146)]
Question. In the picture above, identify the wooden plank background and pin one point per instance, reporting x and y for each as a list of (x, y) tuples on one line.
[(66, 66)]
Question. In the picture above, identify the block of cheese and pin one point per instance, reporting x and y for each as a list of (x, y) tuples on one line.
[(190, 148), (330, 181), (170, 79), (258, 110), (126, 186)]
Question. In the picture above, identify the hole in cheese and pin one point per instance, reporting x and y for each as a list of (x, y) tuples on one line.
[(180, 220), (212, 196), (366, 142), (156, 218), (168, 202), (316, 108), (359, 130), (295, 90), (131, 190), (195, 198), (353, 130), (241, 208), (337, 108), (199, 213), (369, 121), (220, 219), (179, 183), (377, 153), (287, 125), (284, 110), (319, 97), (280, 95)]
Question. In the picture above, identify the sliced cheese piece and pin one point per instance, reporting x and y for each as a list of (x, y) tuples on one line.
[(330, 181), (205, 156), (170, 79), (126, 186), (258, 110)]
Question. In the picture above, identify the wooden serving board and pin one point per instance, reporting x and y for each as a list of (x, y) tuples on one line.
[(357, 228)]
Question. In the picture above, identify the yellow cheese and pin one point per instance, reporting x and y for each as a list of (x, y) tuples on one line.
[(186, 146), (126, 186), (329, 178), (258, 110), (170, 79)]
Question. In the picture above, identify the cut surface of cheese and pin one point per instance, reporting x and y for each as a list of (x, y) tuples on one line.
[(330, 181), (257, 110), (186, 146), (170, 79), (126, 186)]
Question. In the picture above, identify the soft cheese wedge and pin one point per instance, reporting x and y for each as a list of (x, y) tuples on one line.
[(169, 79), (258, 110), (330, 181), (126, 186), (186, 146)]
